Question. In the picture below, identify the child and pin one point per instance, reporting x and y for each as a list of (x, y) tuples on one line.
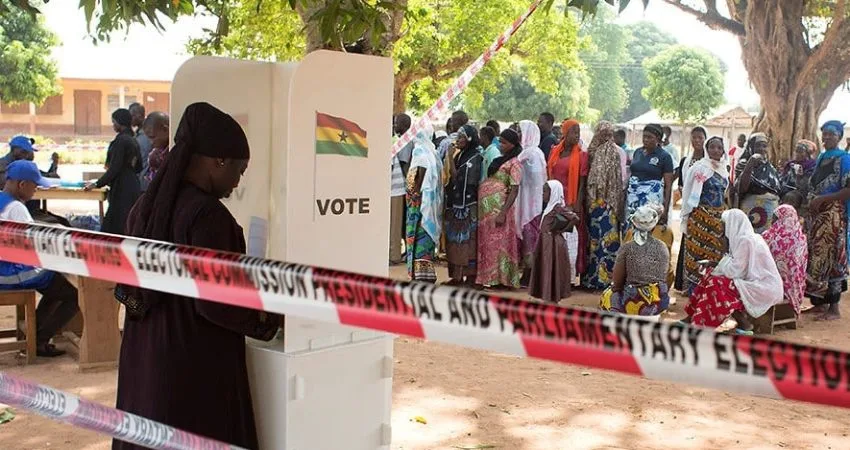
[(550, 270)]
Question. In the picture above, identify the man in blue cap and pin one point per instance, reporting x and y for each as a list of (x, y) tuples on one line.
[(58, 303), (20, 147)]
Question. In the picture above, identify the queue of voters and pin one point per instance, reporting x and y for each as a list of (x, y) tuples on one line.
[(534, 208)]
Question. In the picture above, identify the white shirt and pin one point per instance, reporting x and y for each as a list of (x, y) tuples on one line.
[(16, 212)]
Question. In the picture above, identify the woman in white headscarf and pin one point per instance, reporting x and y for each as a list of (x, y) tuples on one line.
[(746, 280), (639, 282), (530, 200), (551, 260), (703, 203), (424, 207)]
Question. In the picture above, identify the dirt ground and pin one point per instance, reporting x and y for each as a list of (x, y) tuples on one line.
[(472, 399)]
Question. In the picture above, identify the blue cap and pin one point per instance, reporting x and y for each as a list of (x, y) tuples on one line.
[(22, 142), (23, 170)]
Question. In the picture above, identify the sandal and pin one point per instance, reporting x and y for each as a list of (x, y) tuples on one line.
[(742, 332), (48, 351)]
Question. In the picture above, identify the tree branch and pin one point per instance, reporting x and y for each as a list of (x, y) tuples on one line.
[(829, 62), (712, 18)]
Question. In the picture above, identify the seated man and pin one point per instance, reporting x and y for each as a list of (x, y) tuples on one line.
[(58, 303)]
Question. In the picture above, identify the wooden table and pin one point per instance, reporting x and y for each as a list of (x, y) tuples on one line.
[(94, 331), (61, 193)]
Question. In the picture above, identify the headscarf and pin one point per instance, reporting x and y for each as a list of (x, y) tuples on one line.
[(765, 176), (425, 156), (808, 164), (750, 265), (533, 162), (834, 126), (122, 117), (697, 175), (511, 136), (605, 180), (462, 188), (787, 243), (655, 129), (556, 197), (644, 220), (203, 130), (574, 163)]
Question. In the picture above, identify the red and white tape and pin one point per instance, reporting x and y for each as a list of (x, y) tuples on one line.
[(92, 416), (462, 81), (627, 344)]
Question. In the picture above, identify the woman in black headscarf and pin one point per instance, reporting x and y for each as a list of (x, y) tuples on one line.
[(757, 183), (461, 218), (123, 162), (182, 359)]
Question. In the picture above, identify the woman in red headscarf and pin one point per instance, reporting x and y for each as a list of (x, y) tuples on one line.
[(568, 164)]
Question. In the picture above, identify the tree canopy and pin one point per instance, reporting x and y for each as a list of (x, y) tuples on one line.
[(604, 58), (645, 41), (27, 72), (684, 84)]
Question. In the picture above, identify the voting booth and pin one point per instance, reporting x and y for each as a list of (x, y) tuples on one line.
[(316, 192)]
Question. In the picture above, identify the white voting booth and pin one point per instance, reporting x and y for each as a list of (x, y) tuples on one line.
[(321, 386)]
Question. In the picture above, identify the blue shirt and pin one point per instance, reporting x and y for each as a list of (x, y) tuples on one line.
[(651, 166), (145, 145)]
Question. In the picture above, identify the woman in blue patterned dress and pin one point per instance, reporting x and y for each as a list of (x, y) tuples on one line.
[(604, 207), (703, 203)]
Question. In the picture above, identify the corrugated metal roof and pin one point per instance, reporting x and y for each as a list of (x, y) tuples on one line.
[(110, 63)]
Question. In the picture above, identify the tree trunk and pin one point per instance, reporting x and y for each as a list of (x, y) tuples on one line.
[(794, 81)]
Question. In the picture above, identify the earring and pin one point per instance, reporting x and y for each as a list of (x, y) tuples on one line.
[(221, 164)]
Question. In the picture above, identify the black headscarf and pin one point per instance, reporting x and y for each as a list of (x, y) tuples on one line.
[(512, 137), (765, 178), (204, 130), (655, 129), (472, 144), (122, 117)]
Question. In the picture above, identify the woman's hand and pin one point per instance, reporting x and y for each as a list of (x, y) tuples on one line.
[(501, 218), (89, 186)]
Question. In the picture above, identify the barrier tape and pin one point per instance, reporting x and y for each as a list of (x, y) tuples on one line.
[(127, 427), (627, 344), (462, 81)]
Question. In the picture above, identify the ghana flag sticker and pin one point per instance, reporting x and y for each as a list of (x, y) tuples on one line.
[(338, 136)]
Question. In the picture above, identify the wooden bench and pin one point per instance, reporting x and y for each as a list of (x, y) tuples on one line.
[(778, 315), (24, 331)]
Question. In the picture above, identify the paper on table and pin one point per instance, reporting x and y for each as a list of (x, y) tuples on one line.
[(258, 236)]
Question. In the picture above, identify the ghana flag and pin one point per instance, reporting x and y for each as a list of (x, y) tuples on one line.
[(338, 136)]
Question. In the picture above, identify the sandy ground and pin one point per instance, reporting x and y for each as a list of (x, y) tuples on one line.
[(473, 399)]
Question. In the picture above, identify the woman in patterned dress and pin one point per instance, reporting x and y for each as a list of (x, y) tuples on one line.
[(829, 192), (498, 252), (789, 247), (757, 183), (703, 203), (424, 207), (604, 206), (746, 280), (639, 284)]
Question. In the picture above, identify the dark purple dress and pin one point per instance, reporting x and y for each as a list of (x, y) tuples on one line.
[(183, 363)]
